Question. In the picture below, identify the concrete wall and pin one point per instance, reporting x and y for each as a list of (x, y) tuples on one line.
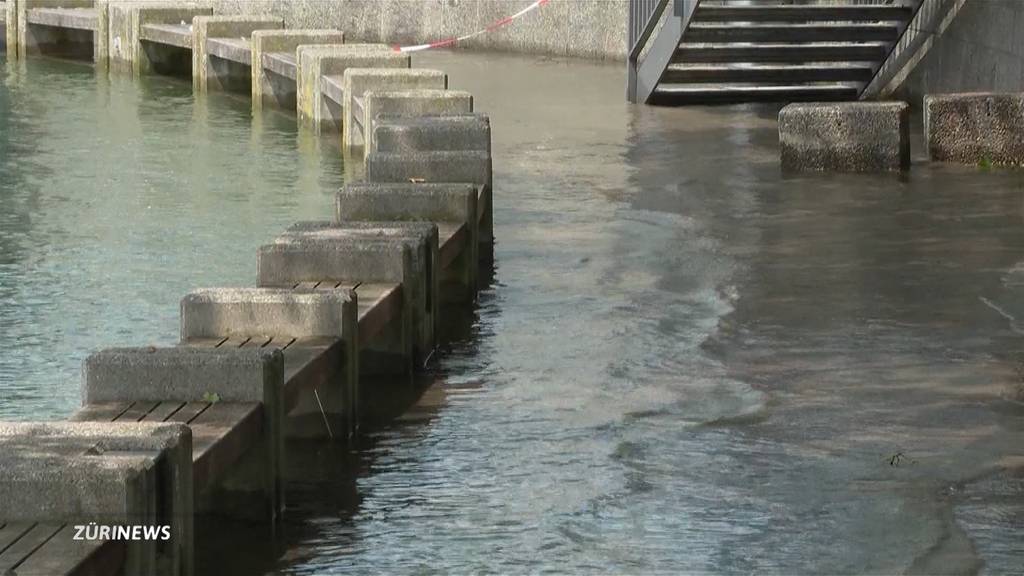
[(585, 28), (981, 50)]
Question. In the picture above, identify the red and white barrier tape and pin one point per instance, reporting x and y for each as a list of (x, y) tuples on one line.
[(456, 39)]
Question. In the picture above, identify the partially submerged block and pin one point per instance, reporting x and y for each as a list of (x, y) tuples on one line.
[(233, 32), (112, 474), (441, 166), (453, 132), (275, 64), (448, 205), (357, 81), (326, 319), (845, 136), (192, 374), (321, 70), (66, 28), (420, 236), (367, 263), (975, 128), (146, 37), (405, 103)]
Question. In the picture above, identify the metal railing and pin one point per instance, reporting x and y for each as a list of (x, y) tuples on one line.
[(644, 15)]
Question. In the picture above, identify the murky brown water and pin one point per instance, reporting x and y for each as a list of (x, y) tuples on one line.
[(686, 363)]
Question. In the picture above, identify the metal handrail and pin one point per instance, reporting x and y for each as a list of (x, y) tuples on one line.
[(644, 16)]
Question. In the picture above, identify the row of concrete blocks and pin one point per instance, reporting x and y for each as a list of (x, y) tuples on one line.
[(383, 232), (979, 128)]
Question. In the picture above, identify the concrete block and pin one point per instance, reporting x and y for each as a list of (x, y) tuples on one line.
[(404, 103), (212, 72), (445, 204), (64, 32), (462, 132), (130, 52), (420, 236), (329, 317), (249, 312), (321, 67), (270, 85), (445, 166), (353, 261), (188, 374), (114, 474), (11, 28), (357, 82), (975, 128), (845, 136)]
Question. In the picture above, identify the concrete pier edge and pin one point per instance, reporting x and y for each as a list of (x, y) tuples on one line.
[(384, 238)]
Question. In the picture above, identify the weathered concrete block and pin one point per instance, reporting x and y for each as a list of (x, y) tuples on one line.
[(319, 98), (426, 133), (247, 312), (68, 28), (420, 236), (209, 71), (108, 473), (277, 86), (845, 136), (10, 10), (328, 316), (188, 374), (357, 82), (353, 261), (403, 103), (443, 166), (975, 128), (449, 205), (128, 49)]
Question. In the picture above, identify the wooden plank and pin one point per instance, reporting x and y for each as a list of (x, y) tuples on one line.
[(220, 435), (105, 412), (12, 532), (234, 342), (23, 547), (63, 555), (137, 412), (163, 411), (179, 35), (281, 63), (452, 238), (73, 18), (189, 412), (378, 305), (257, 342), (332, 88), (234, 49)]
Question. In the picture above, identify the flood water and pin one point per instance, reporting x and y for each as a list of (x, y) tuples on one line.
[(687, 361)]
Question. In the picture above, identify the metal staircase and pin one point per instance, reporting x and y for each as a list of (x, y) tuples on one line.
[(726, 51)]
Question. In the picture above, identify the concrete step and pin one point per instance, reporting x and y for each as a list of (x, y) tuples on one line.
[(676, 94), (790, 32), (788, 73), (719, 12), (780, 52)]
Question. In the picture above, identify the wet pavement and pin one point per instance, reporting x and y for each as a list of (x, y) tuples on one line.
[(687, 361)]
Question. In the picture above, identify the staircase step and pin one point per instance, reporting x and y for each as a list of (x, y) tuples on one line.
[(708, 12), (767, 33), (778, 52), (831, 72), (673, 94)]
